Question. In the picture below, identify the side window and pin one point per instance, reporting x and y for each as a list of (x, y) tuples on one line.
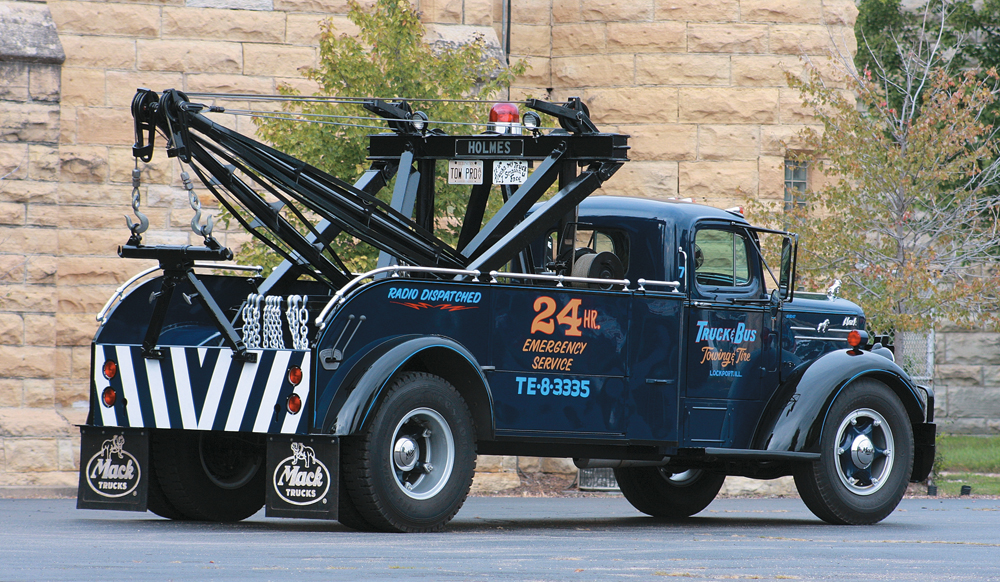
[(721, 259)]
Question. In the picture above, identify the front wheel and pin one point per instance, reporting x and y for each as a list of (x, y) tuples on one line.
[(666, 493), (866, 457), (411, 469)]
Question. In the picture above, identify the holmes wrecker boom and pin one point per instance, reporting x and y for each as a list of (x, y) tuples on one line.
[(319, 393)]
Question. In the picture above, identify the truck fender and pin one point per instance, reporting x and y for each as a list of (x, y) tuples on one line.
[(796, 414), (370, 374)]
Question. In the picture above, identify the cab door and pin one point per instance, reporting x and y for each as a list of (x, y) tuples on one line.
[(730, 346)]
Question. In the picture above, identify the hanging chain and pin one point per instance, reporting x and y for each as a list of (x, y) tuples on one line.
[(140, 227), (205, 231)]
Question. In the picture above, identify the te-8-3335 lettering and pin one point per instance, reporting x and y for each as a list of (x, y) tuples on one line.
[(572, 387)]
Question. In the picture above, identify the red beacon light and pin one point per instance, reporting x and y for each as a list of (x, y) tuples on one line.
[(504, 118)]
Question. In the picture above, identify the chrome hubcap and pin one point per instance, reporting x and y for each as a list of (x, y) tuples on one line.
[(864, 451), (405, 454), (423, 453)]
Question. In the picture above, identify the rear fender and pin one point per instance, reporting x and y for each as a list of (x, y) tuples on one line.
[(795, 417), (370, 374)]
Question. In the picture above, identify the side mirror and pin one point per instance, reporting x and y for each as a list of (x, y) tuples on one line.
[(789, 252)]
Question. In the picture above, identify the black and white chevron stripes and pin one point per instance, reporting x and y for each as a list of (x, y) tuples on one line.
[(199, 388)]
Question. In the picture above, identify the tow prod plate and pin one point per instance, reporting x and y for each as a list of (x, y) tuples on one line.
[(114, 468), (303, 473)]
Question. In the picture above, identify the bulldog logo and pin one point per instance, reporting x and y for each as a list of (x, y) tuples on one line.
[(301, 479), (113, 471)]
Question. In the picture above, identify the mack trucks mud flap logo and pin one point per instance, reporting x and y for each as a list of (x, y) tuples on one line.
[(113, 471), (301, 479)]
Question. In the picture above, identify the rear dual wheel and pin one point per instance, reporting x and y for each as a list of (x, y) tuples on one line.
[(666, 493), (411, 469), (207, 476)]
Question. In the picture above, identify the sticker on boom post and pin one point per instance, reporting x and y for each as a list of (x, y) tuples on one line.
[(465, 172)]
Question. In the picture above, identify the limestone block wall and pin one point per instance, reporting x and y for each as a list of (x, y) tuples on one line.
[(37, 444), (967, 382), (699, 85)]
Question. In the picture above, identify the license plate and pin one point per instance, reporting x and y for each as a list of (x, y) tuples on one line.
[(510, 171), (465, 171)]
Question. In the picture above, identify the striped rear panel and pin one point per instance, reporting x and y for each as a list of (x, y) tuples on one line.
[(202, 389)]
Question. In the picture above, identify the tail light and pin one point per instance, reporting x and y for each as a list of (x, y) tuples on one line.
[(109, 396), (294, 375), (294, 403), (110, 369), (504, 118)]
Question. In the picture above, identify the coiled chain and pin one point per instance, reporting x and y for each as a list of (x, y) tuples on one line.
[(298, 316), (263, 327), (251, 321)]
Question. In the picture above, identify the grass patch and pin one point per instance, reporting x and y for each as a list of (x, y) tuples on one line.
[(951, 484), (969, 454)]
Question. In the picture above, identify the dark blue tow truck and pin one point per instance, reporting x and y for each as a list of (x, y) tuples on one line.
[(661, 338)]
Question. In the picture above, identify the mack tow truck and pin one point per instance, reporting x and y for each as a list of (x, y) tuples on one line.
[(660, 338)]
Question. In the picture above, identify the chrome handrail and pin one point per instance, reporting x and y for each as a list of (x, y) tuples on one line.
[(103, 313), (643, 282), (395, 270), (559, 279)]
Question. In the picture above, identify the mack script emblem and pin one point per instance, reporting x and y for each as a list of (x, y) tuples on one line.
[(301, 479), (113, 471)]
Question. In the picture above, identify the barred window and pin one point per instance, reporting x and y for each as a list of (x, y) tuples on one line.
[(796, 179)]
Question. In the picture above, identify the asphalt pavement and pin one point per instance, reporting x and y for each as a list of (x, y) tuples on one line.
[(496, 538)]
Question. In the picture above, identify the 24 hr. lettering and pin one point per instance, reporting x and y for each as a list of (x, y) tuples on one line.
[(569, 322)]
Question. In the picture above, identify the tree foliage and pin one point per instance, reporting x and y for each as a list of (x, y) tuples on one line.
[(909, 222), (389, 59)]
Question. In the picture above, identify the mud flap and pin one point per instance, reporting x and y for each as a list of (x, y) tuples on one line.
[(923, 451), (302, 476), (114, 465)]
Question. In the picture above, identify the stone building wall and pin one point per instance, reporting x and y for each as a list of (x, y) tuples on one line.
[(967, 381), (700, 85)]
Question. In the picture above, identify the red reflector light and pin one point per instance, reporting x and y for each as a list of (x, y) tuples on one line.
[(295, 375), (854, 338), (110, 369), (109, 396), (504, 118), (294, 403)]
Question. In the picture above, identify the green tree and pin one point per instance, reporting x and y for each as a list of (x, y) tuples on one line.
[(909, 223), (389, 59)]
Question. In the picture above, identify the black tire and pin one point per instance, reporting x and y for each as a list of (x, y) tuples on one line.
[(156, 499), (866, 457), (347, 513), (664, 493), (211, 476), (422, 420)]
